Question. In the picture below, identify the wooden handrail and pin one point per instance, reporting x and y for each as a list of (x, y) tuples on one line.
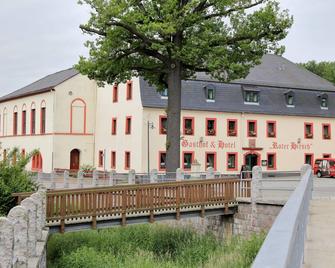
[(72, 204)]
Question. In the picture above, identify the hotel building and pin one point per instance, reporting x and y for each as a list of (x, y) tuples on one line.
[(280, 116)]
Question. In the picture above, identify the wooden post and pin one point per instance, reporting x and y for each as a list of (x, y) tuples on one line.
[(202, 198), (151, 220), (178, 202), (124, 207), (62, 214), (94, 216)]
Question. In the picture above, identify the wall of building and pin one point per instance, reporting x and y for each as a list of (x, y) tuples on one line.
[(289, 145), (28, 141), (120, 143)]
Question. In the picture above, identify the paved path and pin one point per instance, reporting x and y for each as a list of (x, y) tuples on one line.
[(320, 244)]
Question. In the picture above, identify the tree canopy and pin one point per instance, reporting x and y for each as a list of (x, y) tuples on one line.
[(167, 41), (325, 69)]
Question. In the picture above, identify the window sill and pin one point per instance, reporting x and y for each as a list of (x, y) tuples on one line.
[(207, 100), (251, 103)]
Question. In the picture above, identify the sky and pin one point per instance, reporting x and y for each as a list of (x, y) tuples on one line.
[(40, 37)]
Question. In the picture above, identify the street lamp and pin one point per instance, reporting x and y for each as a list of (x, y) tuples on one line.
[(150, 125)]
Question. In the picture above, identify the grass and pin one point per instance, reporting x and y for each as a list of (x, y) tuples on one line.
[(149, 246)]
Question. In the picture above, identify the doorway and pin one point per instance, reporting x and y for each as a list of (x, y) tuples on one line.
[(251, 160), (74, 159)]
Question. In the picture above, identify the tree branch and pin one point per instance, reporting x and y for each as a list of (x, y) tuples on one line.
[(231, 10), (91, 30)]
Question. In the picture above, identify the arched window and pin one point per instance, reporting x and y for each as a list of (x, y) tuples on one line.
[(43, 117), (24, 120), (33, 119), (37, 162), (15, 119), (78, 116), (4, 122)]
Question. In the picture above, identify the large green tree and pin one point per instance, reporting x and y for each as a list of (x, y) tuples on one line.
[(167, 41), (325, 69)]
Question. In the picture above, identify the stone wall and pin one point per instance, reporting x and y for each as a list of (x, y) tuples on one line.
[(220, 226), (23, 235), (256, 217)]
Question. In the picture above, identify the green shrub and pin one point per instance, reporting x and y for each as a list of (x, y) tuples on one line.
[(149, 246), (14, 178)]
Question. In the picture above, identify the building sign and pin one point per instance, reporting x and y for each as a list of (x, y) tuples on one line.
[(293, 146), (219, 144)]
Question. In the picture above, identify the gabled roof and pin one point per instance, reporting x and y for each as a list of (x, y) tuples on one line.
[(280, 72), (43, 85)]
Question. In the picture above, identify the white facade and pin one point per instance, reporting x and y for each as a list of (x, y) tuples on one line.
[(79, 118)]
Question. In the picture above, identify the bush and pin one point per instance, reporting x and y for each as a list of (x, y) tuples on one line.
[(14, 179)]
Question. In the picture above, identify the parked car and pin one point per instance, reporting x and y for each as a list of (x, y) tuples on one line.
[(324, 167)]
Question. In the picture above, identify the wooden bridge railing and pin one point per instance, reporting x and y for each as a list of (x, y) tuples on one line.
[(64, 206), (120, 201)]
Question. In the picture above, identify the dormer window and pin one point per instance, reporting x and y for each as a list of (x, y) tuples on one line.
[(251, 97), (164, 93), (210, 93), (289, 96), (324, 101)]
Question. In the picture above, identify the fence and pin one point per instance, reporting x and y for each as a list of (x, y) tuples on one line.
[(284, 244), (94, 204), (61, 179), (22, 234)]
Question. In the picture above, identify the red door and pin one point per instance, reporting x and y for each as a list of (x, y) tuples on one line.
[(74, 159)]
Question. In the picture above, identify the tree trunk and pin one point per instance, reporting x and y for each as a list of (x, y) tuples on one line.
[(173, 119)]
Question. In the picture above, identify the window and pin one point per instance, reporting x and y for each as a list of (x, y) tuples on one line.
[(211, 160), (128, 125), (271, 160), (231, 127), (43, 120), (232, 161), (162, 125), (326, 155), (127, 160), (114, 125), (324, 101), (33, 122), (251, 96), (101, 159), (308, 131), (252, 128), (113, 159), (188, 125), (164, 93), (271, 129), (210, 127), (309, 159), (129, 90), (326, 131), (15, 123), (187, 160), (115, 92), (289, 97), (162, 161), (37, 162), (24, 123), (210, 93)]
